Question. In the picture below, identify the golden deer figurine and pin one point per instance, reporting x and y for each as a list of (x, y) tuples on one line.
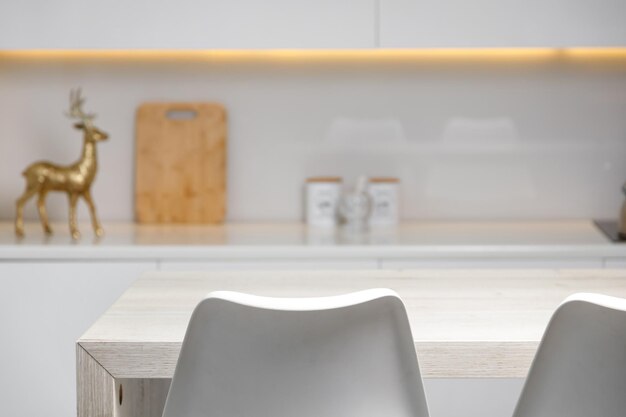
[(76, 179)]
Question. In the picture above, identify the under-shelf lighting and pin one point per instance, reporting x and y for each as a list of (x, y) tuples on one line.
[(305, 55)]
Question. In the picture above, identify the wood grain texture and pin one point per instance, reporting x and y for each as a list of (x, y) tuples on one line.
[(95, 387), (477, 359), (465, 323), (180, 163), (136, 360)]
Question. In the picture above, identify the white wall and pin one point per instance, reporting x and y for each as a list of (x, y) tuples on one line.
[(526, 137), (46, 307)]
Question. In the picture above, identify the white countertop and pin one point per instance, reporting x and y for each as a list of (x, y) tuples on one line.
[(536, 239)]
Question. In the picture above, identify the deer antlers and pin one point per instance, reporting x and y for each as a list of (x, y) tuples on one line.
[(76, 108)]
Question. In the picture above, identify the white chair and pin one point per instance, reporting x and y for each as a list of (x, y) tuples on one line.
[(580, 367), (344, 356)]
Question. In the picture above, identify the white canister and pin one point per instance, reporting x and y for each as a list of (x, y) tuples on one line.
[(322, 199), (384, 193)]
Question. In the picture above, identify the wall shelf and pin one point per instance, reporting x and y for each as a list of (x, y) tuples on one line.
[(560, 241)]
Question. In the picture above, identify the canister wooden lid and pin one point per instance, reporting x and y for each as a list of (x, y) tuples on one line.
[(384, 180), (323, 179)]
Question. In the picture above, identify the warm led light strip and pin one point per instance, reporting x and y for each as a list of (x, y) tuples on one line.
[(440, 54)]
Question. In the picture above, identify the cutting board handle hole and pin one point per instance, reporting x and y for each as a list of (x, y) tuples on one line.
[(181, 114)]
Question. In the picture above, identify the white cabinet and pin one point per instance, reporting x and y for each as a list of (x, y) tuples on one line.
[(501, 23), (301, 24), (473, 397), (187, 24), (615, 263), (44, 308)]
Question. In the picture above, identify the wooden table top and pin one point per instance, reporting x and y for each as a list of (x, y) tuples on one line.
[(471, 323)]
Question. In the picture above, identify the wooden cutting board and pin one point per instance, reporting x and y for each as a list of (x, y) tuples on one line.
[(180, 163)]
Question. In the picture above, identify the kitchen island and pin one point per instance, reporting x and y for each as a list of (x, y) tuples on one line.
[(466, 324), (76, 282)]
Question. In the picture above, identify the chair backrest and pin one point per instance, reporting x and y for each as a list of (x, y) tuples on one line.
[(580, 367), (344, 356)]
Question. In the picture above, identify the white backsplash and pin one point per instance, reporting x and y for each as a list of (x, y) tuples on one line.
[(529, 138)]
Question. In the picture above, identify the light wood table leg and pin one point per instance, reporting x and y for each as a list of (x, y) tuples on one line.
[(100, 394), (141, 397), (95, 387)]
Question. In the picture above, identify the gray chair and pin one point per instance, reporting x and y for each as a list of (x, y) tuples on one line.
[(345, 356), (580, 367)]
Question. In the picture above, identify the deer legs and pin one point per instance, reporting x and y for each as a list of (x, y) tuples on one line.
[(92, 211), (19, 218), (73, 197), (43, 214), (41, 206)]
